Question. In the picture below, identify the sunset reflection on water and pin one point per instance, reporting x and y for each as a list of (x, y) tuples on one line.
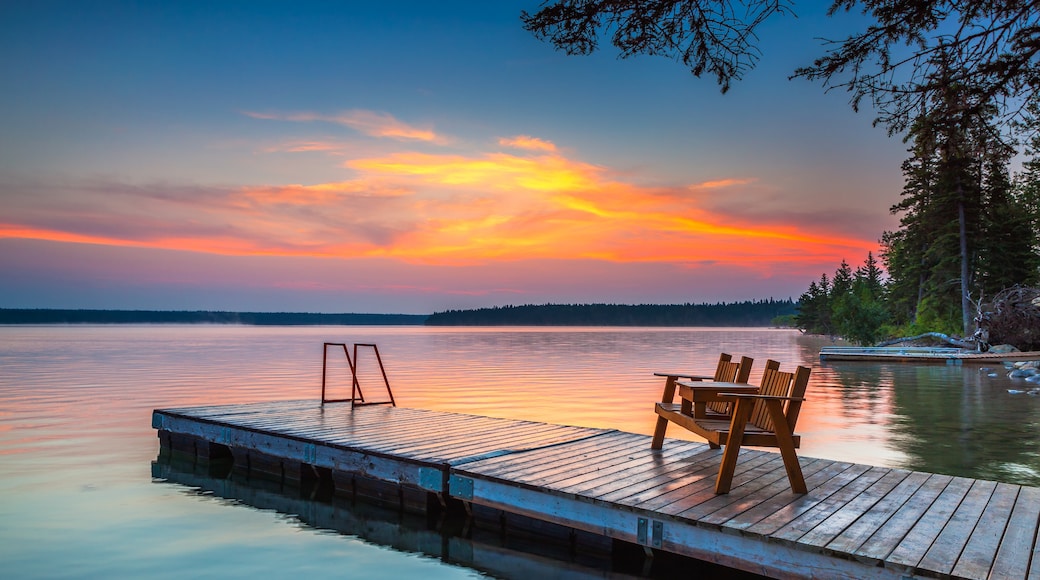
[(76, 441)]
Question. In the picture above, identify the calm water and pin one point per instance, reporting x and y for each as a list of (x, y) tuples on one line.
[(77, 496)]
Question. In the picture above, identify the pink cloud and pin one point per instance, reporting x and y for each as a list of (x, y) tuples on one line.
[(527, 142), (371, 123)]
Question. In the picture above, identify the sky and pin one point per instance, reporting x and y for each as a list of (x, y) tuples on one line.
[(413, 157)]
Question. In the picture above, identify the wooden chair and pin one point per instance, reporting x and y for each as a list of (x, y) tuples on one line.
[(727, 371), (763, 419)]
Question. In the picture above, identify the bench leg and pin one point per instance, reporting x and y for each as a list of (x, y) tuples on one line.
[(662, 423), (662, 426), (741, 414), (785, 442)]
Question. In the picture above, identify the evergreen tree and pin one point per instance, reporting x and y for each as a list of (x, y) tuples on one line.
[(840, 298), (814, 308), (1007, 252), (808, 316), (1021, 217), (858, 311), (865, 314), (841, 284), (957, 156), (870, 275)]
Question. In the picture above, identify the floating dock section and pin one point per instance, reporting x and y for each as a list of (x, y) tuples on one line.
[(916, 354), (857, 521)]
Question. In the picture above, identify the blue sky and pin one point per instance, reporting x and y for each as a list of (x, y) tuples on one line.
[(412, 157)]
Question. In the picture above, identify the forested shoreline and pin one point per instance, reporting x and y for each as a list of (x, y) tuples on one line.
[(54, 316), (750, 313)]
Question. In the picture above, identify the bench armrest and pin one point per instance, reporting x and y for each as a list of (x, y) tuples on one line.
[(685, 376), (756, 396), (710, 390), (696, 396)]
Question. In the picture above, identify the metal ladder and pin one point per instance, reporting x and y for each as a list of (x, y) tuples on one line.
[(357, 398)]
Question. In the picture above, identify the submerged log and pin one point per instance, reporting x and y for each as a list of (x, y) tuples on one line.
[(938, 335)]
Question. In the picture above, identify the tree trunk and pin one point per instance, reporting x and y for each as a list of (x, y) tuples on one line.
[(965, 292)]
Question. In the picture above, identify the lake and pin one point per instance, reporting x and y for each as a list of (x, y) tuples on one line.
[(78, 497)]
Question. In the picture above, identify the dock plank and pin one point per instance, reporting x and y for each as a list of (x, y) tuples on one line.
[(813, 517), (954, 535), (779, 502), (666, 486), (800, 504), (856, 533), (650, 471), (576, 475), (550, 461), (913, 547), (1016, 547), (852, 509), (644, 466), (737, 501), (981, 550), (494, 439), (696, 492), (693, 504)]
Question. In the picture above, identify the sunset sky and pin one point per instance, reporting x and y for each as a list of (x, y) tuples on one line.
[(412, 157)]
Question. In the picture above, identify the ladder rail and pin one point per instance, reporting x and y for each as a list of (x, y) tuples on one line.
[(357, 397)]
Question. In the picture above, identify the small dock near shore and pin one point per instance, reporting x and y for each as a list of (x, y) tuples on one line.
[(856, 521), (917, 354)]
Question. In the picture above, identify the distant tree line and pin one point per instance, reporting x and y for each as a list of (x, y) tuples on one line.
[(758, 313), (56, 316)]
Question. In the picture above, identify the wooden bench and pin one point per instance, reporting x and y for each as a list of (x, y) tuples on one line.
[(766, 418), (727, 371)]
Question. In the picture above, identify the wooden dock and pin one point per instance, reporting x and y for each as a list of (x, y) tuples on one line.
[(917, 354), (857, 521)]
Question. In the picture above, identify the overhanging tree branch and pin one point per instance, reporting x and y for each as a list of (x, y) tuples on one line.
[(709, 36), (993, 46)]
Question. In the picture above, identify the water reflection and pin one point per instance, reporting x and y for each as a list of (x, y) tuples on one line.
[(76, 436), (956, 420)]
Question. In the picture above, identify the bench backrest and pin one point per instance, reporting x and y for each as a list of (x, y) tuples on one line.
[(780, 384), (729, 371), (726, 368)]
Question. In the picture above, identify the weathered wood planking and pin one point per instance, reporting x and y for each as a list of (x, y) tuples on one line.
[(856, 521), (402, 446)]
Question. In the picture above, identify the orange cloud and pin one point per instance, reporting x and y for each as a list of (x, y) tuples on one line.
[(371, 123), (527, 142), (439, 209), (497, 171), (552, 206), (721, 183), (306, 147)]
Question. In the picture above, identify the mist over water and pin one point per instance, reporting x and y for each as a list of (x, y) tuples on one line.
[(77, 497)]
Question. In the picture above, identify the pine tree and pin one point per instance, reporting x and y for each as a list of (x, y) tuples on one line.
[(814, 308), (933, 259), (860, 314)]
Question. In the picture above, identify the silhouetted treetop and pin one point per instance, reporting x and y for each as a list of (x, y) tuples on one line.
[(706, 35), (895, 61)]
